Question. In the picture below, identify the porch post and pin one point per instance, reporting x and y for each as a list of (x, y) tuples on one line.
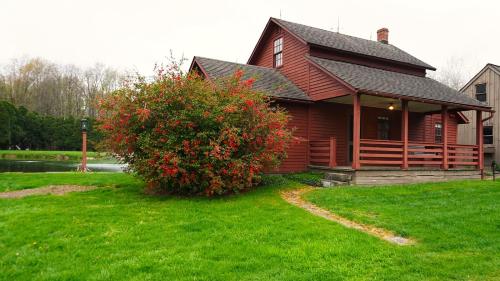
[(479, 141), (404, 132), (356, 134), (444, 125)]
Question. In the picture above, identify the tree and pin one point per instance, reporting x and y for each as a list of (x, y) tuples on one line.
[(187, 135), (453, 73), (57, 90)]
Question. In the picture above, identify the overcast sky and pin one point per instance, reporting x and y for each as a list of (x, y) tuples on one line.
[(135, 34)]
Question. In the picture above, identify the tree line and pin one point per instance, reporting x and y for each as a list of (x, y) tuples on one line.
[(24, 129), (56, 90)]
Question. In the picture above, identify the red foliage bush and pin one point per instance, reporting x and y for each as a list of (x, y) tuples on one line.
[(187, 135)]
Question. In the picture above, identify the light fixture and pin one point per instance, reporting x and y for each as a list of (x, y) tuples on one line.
[(391, 106)]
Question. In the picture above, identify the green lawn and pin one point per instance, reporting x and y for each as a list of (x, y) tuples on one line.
[(118, 233), (47, 155), (457, 224)]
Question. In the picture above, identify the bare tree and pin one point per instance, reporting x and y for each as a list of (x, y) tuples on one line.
[(59, 90), (453, 73)]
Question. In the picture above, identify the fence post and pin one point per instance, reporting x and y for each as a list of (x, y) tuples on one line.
[(333, 152)]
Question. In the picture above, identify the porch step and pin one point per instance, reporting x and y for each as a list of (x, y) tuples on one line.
[(332, 183), (344, 177)]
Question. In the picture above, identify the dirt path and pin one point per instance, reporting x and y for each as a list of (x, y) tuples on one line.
[(50, 189), (295, 197)]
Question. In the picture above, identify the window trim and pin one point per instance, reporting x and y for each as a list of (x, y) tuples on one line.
[(279, 52), (488, 136), (438, 127), (481, 94)]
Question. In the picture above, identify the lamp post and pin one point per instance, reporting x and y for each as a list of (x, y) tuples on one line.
[(84, 127)]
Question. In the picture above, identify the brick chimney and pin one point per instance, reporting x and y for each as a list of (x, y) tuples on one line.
[(383, 35)]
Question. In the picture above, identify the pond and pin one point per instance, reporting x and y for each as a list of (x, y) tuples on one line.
[(55, 166)]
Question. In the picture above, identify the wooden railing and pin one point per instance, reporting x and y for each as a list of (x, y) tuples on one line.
[(323, 152), (425, 154), (380, 152), (390, 153), (463, 155)]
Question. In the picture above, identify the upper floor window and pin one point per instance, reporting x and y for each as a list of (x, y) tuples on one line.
[(278, 52), (488, 134), (481, 92), (383, 128), (438, 132)]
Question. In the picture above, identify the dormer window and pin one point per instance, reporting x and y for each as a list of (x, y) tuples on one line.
[(278, 52)]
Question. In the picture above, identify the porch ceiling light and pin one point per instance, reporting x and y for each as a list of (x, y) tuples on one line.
[(391, 106)]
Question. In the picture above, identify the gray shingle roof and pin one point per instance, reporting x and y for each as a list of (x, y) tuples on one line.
[(351, 44), (497, 67), (268, 80), (405, 85)]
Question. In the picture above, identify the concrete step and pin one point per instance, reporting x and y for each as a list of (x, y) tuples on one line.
[(338, 177), (332, 183)]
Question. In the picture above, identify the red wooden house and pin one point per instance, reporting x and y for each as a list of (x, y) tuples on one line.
[(360, 106)]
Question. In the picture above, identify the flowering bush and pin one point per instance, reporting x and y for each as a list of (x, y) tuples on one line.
[(184, 134)]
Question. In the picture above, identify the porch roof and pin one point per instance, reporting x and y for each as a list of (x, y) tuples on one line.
[(268, 80), (378, 81)]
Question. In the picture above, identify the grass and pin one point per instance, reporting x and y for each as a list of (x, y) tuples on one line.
[(17, 181), (457, 224), (118, 233), (48, 155)]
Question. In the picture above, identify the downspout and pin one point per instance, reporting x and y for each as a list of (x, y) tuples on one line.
[(492, 113)]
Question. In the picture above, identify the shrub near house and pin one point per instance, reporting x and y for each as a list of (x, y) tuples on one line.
[(187, 135)]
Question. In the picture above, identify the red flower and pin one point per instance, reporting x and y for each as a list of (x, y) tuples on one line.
[(143, 114)]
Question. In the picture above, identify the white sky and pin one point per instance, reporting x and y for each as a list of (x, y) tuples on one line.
[(135, 34)]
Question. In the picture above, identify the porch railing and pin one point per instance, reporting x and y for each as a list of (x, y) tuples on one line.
[(323, 152), (390, 153)]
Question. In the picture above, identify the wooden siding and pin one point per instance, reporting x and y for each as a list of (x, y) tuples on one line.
[(430, 132), (331, 119), (295, 67), (323, 86), (467, 132), (297, 159), (366, 61)]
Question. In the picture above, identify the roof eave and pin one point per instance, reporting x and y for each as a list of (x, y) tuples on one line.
[(429, 67), (431, 101), (487, 66)]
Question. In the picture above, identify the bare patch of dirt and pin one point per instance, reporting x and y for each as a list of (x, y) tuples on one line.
[(50, 189), (294, 197)]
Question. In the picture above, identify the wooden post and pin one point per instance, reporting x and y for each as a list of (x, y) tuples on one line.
[(479, 142), (404, 133), (333, 152), (356, 134), (84, 151), (444, 133)]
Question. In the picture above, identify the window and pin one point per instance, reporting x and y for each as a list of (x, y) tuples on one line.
[(481, 92), (383, 128), (438, 132), (488, 134), (278, 52)]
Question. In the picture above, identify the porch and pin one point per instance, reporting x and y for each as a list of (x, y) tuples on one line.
[(396, 151)]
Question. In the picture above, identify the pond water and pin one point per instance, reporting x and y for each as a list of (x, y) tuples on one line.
[(55, 166)]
